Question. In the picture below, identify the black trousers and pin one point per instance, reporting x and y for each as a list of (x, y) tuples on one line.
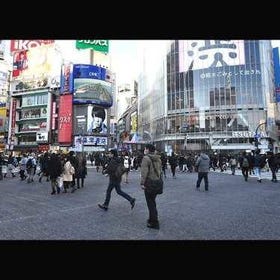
[(152, 206), (117, 186), (202, 175)]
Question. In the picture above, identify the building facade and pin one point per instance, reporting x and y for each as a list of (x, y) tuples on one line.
[(219, 95)]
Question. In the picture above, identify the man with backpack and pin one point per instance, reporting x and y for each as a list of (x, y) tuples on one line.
[(115, 170)]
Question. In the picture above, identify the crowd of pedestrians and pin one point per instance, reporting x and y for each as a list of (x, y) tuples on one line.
[(67, 172)]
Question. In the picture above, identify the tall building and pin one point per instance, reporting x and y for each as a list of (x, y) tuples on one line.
[(5, 70), (212, 94)]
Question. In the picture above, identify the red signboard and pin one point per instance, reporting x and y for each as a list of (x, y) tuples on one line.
[(18, 45), (65, 119)]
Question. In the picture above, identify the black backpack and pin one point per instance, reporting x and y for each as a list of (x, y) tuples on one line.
[(120, 170)]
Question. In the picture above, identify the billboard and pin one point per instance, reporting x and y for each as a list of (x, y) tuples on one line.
[(19, 45), (19, 63), (66, 79), (97, 45), (276, 64), (90, 120), (65, 119), (34, 63), (201, 54)]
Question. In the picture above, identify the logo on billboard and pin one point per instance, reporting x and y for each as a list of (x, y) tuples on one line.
[(201, 54), (19, 45)]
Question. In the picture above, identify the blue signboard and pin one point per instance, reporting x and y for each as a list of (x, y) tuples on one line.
[(88, 71), (276, 73)]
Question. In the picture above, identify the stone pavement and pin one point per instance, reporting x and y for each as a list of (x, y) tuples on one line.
[(232, 210)]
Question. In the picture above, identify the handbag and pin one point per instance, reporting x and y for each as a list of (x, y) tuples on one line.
[(154, 186)]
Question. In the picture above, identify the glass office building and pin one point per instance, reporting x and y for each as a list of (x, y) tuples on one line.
[(219, 95)]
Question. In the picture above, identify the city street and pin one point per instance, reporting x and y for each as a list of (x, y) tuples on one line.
[(232, 210)]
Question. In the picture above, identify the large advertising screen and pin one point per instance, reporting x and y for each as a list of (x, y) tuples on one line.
[(90, 120), (90, 86), (92, 91), (201, 54)]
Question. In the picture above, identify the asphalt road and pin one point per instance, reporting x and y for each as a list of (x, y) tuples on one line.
[(232, 210)]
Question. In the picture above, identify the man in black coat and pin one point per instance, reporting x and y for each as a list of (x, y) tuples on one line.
[(114, 181)]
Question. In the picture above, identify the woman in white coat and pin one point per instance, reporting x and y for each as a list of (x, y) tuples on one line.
[(67, 175)]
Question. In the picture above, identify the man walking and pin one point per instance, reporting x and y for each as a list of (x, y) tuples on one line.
[(150, 167), (115, 181), (202, 164)]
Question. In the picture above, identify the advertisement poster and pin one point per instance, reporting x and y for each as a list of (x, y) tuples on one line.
[(90, 120)]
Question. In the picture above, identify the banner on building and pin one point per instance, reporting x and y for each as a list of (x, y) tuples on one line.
[(66, 79)]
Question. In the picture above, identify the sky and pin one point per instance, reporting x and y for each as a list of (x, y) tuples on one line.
[(125, 58)]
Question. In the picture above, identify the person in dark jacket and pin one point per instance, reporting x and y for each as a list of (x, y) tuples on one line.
[(245, 165), (82, 170), (147, 170), (202, 163), (54, 171), (114, 182), (173, 163), (272, 163)]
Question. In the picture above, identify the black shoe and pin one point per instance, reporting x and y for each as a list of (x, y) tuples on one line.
[(132, 203), (151, 225), (53, 192), (73, 190), (102, 206), (58, 190)]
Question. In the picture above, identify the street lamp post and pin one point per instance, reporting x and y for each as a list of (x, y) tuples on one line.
[(256, 135)]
